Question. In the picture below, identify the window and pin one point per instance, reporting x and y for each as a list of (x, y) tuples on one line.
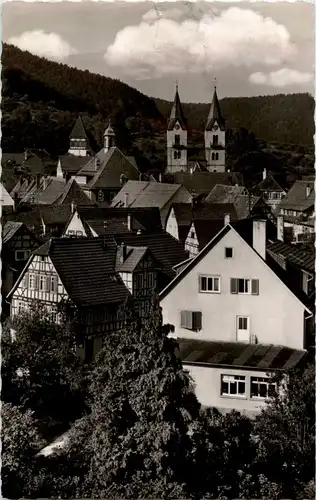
[(150, 280), (177, 155), (71, 233), (177, 140), (209, 284), (25, 281), (242, 323), (79, 233), (42, 258), (22, 254), (192, 235), (112, 195), (233, 385), (191, 320), (42, 283), (32, 281), (216, 156), (261, 387), (53, 282), (244, 286), (100, 195), (213, 156), (228, 253), (215, 140), (139, 281)]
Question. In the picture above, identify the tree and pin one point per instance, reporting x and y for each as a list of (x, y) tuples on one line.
[(135, 442), (40, 369), (20, 441), (286, 431)]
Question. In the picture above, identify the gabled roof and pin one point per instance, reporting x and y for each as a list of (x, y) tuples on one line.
[(268, 357), (72, 164), (78, 131), (86, 269), (53, 190), (49, 214), (109, 170), (5, 198), (166, 250), (204, 182), (223, 193), (176, 114), (244, 228), (215, 114), (244, 205), (9, 229), (206, 229), (147, 218), (110, 226), (292, 253), (145, 194), (269, 184), (133, 258), (297, 199)]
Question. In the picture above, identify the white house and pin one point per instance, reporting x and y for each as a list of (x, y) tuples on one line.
[(233, 293)]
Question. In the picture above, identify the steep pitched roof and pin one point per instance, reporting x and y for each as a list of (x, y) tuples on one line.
[(110, 226), (245, 230), (206, 229), (203, 182), (53, 190), (78, 131), (244, 205), (5, 198), (133, 258), (49, 214), (223, 193), (298, 198), (145, 194), (86, 269), (215, 114), (176, 114), (292, 253), (9, 229), (238, 355), (269, 184), (72, 164)]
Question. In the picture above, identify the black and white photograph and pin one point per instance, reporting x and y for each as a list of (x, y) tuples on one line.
[(158, 249)]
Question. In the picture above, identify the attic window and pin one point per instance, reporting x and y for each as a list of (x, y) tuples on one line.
[(42, 258), (228, 253)]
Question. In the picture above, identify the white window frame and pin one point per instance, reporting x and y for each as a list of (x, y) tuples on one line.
[(261, 381), (245, 280), (229, 248), (230, 380), (208, 277), (54, 284), (42, 283)]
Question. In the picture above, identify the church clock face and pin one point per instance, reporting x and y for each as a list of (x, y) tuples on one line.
[(215, 127), (177, 127)]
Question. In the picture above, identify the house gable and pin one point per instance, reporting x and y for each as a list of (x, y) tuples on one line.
[(271, 321)]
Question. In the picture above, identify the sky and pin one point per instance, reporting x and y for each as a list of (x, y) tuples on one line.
[(246, 48)]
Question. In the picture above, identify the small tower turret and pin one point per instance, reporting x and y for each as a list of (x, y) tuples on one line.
[(108, 138), (79, 145), (215, 137), (177, 138)]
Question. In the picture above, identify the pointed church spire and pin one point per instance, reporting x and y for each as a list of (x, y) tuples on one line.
[(78, 131), (177, 112), (215, 113)]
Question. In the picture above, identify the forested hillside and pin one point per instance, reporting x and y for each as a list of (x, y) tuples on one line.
[(41, 99)]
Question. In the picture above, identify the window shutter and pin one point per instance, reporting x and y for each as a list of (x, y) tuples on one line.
[(186, 319), (255, 287), (197, 320), (233, 285)]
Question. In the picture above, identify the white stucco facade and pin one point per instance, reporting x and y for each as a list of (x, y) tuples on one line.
[(275, 315)]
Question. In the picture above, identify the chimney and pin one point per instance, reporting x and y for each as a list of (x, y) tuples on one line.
[(125, 200), (226, 219), (122, 253), (280, 228), (73, 207), (264, 174), (259, 237), (160, 177), (308, 191), (38, 181), (140, 177), (129, 222), (45, 182), (26, 155)]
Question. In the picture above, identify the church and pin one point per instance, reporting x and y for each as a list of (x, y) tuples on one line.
[(214, 138)]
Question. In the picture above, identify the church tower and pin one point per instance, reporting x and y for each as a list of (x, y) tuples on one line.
[(215, 138), (78, 140), (177, 138), (108, 138)]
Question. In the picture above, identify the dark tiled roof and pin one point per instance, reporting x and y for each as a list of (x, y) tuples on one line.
[(166, 250), (133, 257), (292, 253), (146, 194), (204, 182), (54, 190), (244, 205), (147, 218), (237, 355), (176, 114), (72, 164), (78, 131), (223, 193), (207, 229), (297, 199), (9, 229), (300, 220), (215, 211), (16, 158), (53, 214), (215, 114), (86, 269), (110, 226), (269, 184)]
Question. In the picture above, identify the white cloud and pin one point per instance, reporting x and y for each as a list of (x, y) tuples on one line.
[(236, 37), (49, 45), (281, 78)]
